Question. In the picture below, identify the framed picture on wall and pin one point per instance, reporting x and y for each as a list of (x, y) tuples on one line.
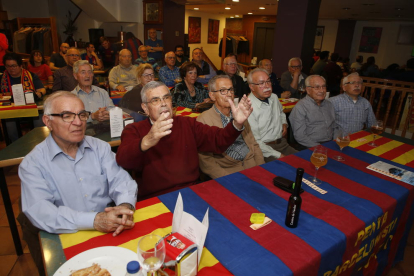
[(406, 35), (370, 40), (152, 11), (194, 29), (213, 31), (317, 46)]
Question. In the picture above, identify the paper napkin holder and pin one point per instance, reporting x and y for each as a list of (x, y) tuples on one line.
[(180, 255)]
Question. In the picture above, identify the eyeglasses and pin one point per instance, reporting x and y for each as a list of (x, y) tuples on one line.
[(354, 82), (12, 66), (73, 55), (262, 84), (295, 67), (148, 76), (225, 91), (157, 101), (170, 57), (318, 87), (231, 64), (143, 51), (69, 117)]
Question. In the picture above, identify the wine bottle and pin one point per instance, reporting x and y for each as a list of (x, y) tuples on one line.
[(295, 201)]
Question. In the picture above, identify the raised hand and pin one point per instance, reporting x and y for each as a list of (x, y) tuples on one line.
[(161, 127), (241, 112)]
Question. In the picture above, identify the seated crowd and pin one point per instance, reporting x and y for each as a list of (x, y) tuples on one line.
[(244, 126)]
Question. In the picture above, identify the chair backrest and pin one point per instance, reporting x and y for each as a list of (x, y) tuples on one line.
[(388, 105), (404, 84)]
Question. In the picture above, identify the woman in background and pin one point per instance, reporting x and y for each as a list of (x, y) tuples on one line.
[(190, 93), (38, 66)]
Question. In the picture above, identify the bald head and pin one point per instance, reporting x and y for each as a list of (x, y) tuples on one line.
[(125, 58)]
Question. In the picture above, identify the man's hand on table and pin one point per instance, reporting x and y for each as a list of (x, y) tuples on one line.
[(285, 95), (101, 114), (161, 127), (121, 88), (242, 112), (114, 219)]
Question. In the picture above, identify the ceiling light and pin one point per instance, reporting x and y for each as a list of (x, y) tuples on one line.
[(235, 0), (262, 8), (398, 9), (227, 8), (231, 16), (236, 15), (196, 9), (250, 13)]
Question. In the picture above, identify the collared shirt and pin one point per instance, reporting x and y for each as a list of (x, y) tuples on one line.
[(266, 121), (93, 100), (168, 76), (312, 123), (149, 60), (238, 150), (351, 116), (63, 195), (287, 78), (125, 76), (63, 79)]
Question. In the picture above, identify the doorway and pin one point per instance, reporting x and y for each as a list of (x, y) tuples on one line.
[(263, 40)]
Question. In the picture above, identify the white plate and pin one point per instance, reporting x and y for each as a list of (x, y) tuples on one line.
[(112, 258)]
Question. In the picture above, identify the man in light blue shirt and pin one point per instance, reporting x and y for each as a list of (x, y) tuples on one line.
[(69, 181), (95, 99), (352, 112)]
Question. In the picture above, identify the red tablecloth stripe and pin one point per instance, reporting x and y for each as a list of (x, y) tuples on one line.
[(216, 270), (379, 141), (238, 212), (358, 135), (147, 202), (397, 151), (32, 106)]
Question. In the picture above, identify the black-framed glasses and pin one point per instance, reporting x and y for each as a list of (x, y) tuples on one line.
[(262, 84), (225, 91), (148, 75), (354, 82), (296, 67), (69, 117), (157, 100), (73, 55), (318, 87), (12, 66)]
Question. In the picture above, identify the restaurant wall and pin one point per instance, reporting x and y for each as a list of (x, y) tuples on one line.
[(210, 49), (329, 36), (388, 51), (26, 8)]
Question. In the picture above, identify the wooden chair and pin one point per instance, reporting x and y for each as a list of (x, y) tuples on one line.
[(392, 98)]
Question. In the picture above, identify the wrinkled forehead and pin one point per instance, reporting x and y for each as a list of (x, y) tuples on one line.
[(71, 104), (157, 92), (72, 51), (317, 81), (354, 78)]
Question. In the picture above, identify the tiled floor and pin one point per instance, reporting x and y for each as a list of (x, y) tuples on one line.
[(12, 265)]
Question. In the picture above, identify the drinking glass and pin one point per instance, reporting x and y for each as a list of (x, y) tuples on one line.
[(302, 90), (342, 139), (376, 129), (151, 253), (319, 158)]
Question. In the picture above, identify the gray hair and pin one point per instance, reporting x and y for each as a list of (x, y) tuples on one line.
[(48, 104), (261, 62), (165, 56), (345, 79), (80, 63), (308, 79), (212, 81), (150, 86), (295, 58), (125, 50), (250, 76), (142, 46)]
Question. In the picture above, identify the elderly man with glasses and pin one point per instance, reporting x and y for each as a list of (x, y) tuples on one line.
[(268, 121), (169, 73), (352, 112), (123, 77), (293, 80), (70, 181), (164, 149), (244, 153), (230, 69), (63, 78), (313, 117), (95, 99)]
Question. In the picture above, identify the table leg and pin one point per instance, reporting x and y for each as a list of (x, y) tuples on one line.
[(6, 134), (10, 214)]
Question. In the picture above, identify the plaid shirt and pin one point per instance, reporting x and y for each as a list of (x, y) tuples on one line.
[(168, 76), (351, 116), (238, 150)]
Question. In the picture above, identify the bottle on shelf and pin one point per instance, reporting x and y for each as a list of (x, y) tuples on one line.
[(295, 202)]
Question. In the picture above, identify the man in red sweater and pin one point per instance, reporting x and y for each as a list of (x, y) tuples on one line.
[(165, 149), (4, 45)]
